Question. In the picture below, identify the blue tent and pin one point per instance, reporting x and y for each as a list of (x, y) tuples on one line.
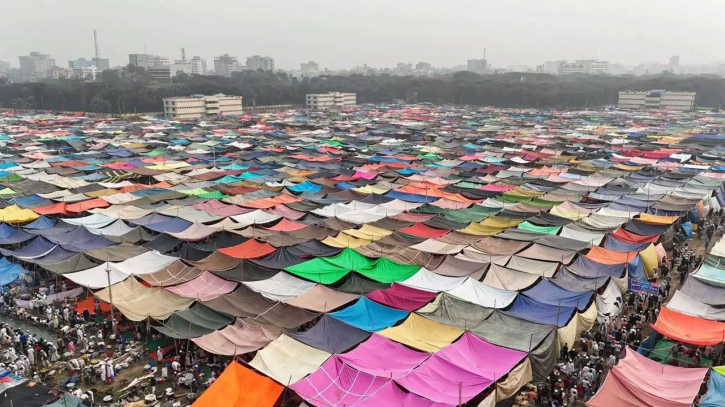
[(526, 308), (9, 272), (41, 223), (369, 315), (549, 293), (173, 225), (715, 396), (614, 244), (687, 228)]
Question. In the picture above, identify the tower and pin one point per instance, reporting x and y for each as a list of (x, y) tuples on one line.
[(183, 56), (98, 47)]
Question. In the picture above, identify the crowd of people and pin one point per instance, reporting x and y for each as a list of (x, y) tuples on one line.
[(582, 367)]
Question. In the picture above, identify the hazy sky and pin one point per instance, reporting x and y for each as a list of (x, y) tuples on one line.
[(344, 33)]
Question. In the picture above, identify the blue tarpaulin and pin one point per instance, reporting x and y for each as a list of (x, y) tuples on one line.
[(616, 245), (715, 396), (687, 228), (549, 293), (369, 315), (534, 311), (9, 272)]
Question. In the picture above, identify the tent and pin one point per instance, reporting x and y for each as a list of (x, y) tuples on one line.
[(287, 360), (238, 386), (637, 381), (715, 396), (689, 329), (138, 302)]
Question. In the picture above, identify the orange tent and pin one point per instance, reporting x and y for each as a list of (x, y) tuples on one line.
[(606, 256), (238, 386), (657, 220), (689, 329)]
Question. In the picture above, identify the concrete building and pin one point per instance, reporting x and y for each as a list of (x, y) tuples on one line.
[(103, 64), (35, 66), (423, 66), (585, 66), (257, 62), (657, 99), (58, 72), (477, 66), (330, 100), (311, 66), (550, 67), (4, 67), (198, 106), (146, 61), (226, 65), (674, 63), (165, 73), (198, 66)]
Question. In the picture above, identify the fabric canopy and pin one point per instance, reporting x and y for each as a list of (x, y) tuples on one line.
[(331, 335), (637, 381), (138, 302), (369, 315), (422, 334), (327, 270), (287, 360), (689, 329), (236, 339), (379, 356), (715, 396), (238, 386)]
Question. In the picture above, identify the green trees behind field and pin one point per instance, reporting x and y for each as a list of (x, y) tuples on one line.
[(130, 89)]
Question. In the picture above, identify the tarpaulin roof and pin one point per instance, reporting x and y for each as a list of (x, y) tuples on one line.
[(236, 339), (327, 270), (715, 395), (238, 386), (422, 333), (369, 315), (287, 360), (549, 293), (689, 329), (138, 302), (638, 381), (402, 297), (205, 287), (331, 335)]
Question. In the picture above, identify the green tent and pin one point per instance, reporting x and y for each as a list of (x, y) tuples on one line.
[(551, 230), (327, 270)]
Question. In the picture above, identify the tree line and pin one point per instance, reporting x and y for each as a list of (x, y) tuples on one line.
[(130, 89)]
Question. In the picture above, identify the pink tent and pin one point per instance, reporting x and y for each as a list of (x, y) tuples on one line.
[(640, 382), (379, 356), (402, 297), (204, 288), (337, 384)]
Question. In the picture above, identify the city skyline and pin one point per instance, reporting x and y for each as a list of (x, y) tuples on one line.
[(540, 32)]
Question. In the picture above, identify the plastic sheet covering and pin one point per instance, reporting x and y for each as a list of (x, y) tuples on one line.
[(175, 273), (194, 322), (239, 386), (321, 299), (138, 302), (449, 310), (516, 379), (546, 292), (433, 282), (287, 360), (581, 322), (382, 357), (531, 310), (710, 275)]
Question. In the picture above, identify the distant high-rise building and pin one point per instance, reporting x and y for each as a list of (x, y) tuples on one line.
[(551, 67), (311, 66), (198, 66), (4, 67), (57, 72), (330, 100), (477, 65), (423, 66), (146, 61), (35, 66), (674, 63), (257, 62), (225, 65)]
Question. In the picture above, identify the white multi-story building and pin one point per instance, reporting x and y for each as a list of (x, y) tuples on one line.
[(197, 106), (585, 66), (330, 100), (147, 61), (257, 62), (35, 66), (657, 99), (198, 66)]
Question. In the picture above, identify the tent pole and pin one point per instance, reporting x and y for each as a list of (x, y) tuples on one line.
[(110, 297)]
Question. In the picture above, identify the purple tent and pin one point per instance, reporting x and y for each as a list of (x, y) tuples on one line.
[(402, 297)]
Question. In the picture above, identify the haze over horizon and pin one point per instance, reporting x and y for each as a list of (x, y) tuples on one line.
[(379, 33)]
